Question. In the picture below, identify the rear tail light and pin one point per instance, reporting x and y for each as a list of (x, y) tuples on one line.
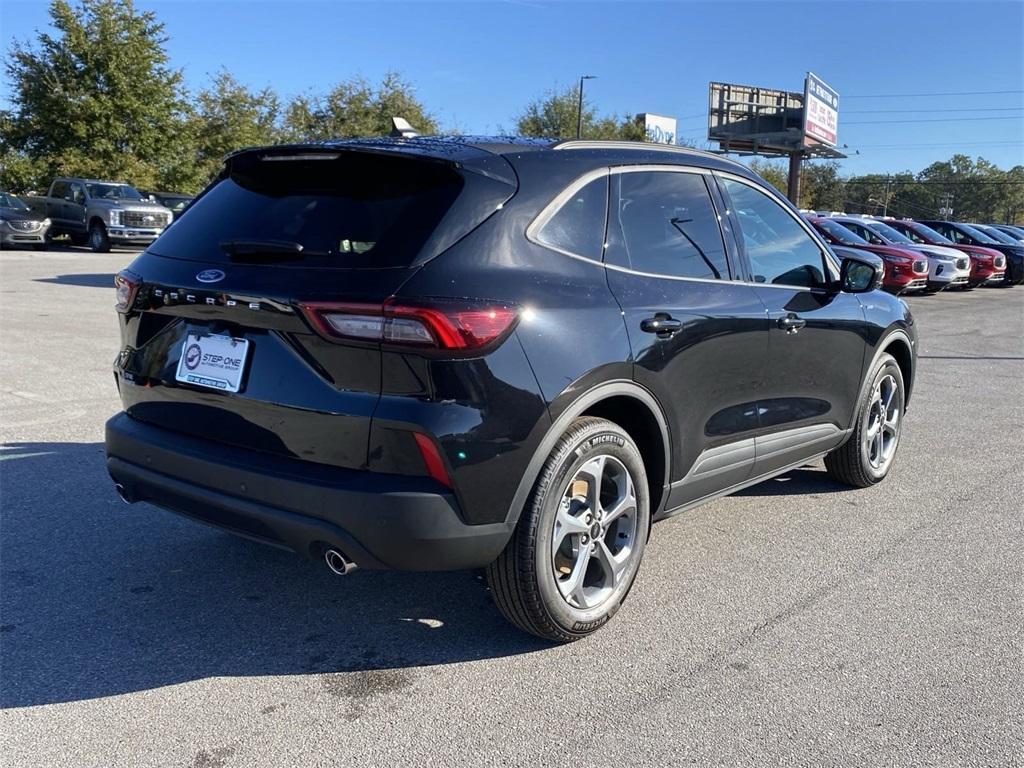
[(432, 459), (459, 326), (126, 286)]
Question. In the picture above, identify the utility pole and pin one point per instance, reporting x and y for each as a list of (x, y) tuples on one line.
[(885, 199), (793, 185), (579, 108), (946, 211)]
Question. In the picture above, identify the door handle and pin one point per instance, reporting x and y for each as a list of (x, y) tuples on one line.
[(791, 323), (662, 324)]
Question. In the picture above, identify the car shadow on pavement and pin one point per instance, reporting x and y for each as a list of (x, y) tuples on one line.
[(94, 280), (99, 598), (806, 480)]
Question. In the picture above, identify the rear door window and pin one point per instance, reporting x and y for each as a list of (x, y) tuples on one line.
[(668, 226)]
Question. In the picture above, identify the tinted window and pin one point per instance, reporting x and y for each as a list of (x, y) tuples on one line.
[(113, 191), (975, 234), (779, 249), (59, 189), (996, 234), (839, 233), (862, 231), (953, 234), (890, 234), (578, 226), (668, 225), (353, 210)]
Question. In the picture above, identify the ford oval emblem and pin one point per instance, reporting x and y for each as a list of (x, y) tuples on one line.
[(210, 276)]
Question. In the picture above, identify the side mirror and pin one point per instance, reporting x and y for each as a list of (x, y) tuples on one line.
[(861, 274)]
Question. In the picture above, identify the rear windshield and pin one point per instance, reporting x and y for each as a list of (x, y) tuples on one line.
[(344, 209)]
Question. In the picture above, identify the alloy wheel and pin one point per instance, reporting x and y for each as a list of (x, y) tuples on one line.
[(594, 535), (883, 423)]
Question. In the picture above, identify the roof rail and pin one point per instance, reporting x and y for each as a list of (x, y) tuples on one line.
[(638, 145)]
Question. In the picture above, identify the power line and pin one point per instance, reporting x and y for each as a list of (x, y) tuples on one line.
[(911, 111), (935, 120), (905, 147), (909, 95), (940, 144)]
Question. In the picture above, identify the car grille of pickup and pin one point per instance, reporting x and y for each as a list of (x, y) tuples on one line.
[(26, 226), (144, 219)]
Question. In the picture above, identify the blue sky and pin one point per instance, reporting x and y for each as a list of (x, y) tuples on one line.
[(476, 64)]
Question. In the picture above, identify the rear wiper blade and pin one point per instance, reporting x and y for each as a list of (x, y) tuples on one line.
[(265, 250)]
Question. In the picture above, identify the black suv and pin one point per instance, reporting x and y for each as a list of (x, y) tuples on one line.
[(433, 354)]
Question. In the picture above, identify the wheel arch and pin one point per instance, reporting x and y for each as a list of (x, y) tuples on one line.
[(631, 407), (897, 344)]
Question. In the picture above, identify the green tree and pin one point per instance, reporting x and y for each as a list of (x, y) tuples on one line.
[(556, 113), (821, 188), (354, 109), (228, 116), (98, 97), (773, 173), (18, 172)]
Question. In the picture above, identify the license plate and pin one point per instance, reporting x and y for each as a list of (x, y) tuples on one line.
[(215, 362)]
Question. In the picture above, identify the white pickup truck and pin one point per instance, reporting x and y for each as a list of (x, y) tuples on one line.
[(101, 213)]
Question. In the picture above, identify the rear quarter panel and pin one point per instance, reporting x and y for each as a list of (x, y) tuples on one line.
[(570, 337)]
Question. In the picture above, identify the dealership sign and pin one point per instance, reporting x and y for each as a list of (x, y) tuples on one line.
[(660, 129), (821, 112)]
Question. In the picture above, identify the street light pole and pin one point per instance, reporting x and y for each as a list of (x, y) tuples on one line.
[(579, 108)]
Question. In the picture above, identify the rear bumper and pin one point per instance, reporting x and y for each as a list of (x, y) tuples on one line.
[(377, 520)]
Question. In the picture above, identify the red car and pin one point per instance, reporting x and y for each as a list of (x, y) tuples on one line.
[(987, 264), (905, 271)]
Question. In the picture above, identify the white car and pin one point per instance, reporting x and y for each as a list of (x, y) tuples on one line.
[(947, 267)]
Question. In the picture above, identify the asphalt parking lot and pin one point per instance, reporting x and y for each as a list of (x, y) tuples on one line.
[(797, 623)]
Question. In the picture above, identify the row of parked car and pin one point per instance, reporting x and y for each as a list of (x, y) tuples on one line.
[(919, 256), (88, 211), (928, 255)]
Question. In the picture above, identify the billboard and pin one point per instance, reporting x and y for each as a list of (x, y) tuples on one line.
[(751, 117), (821, 112), (659, 129)]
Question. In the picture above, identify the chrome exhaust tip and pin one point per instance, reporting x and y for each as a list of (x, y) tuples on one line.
[(338, 563), (122, 493)]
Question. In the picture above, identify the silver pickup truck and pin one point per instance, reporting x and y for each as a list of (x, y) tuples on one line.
[(101, 213)]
